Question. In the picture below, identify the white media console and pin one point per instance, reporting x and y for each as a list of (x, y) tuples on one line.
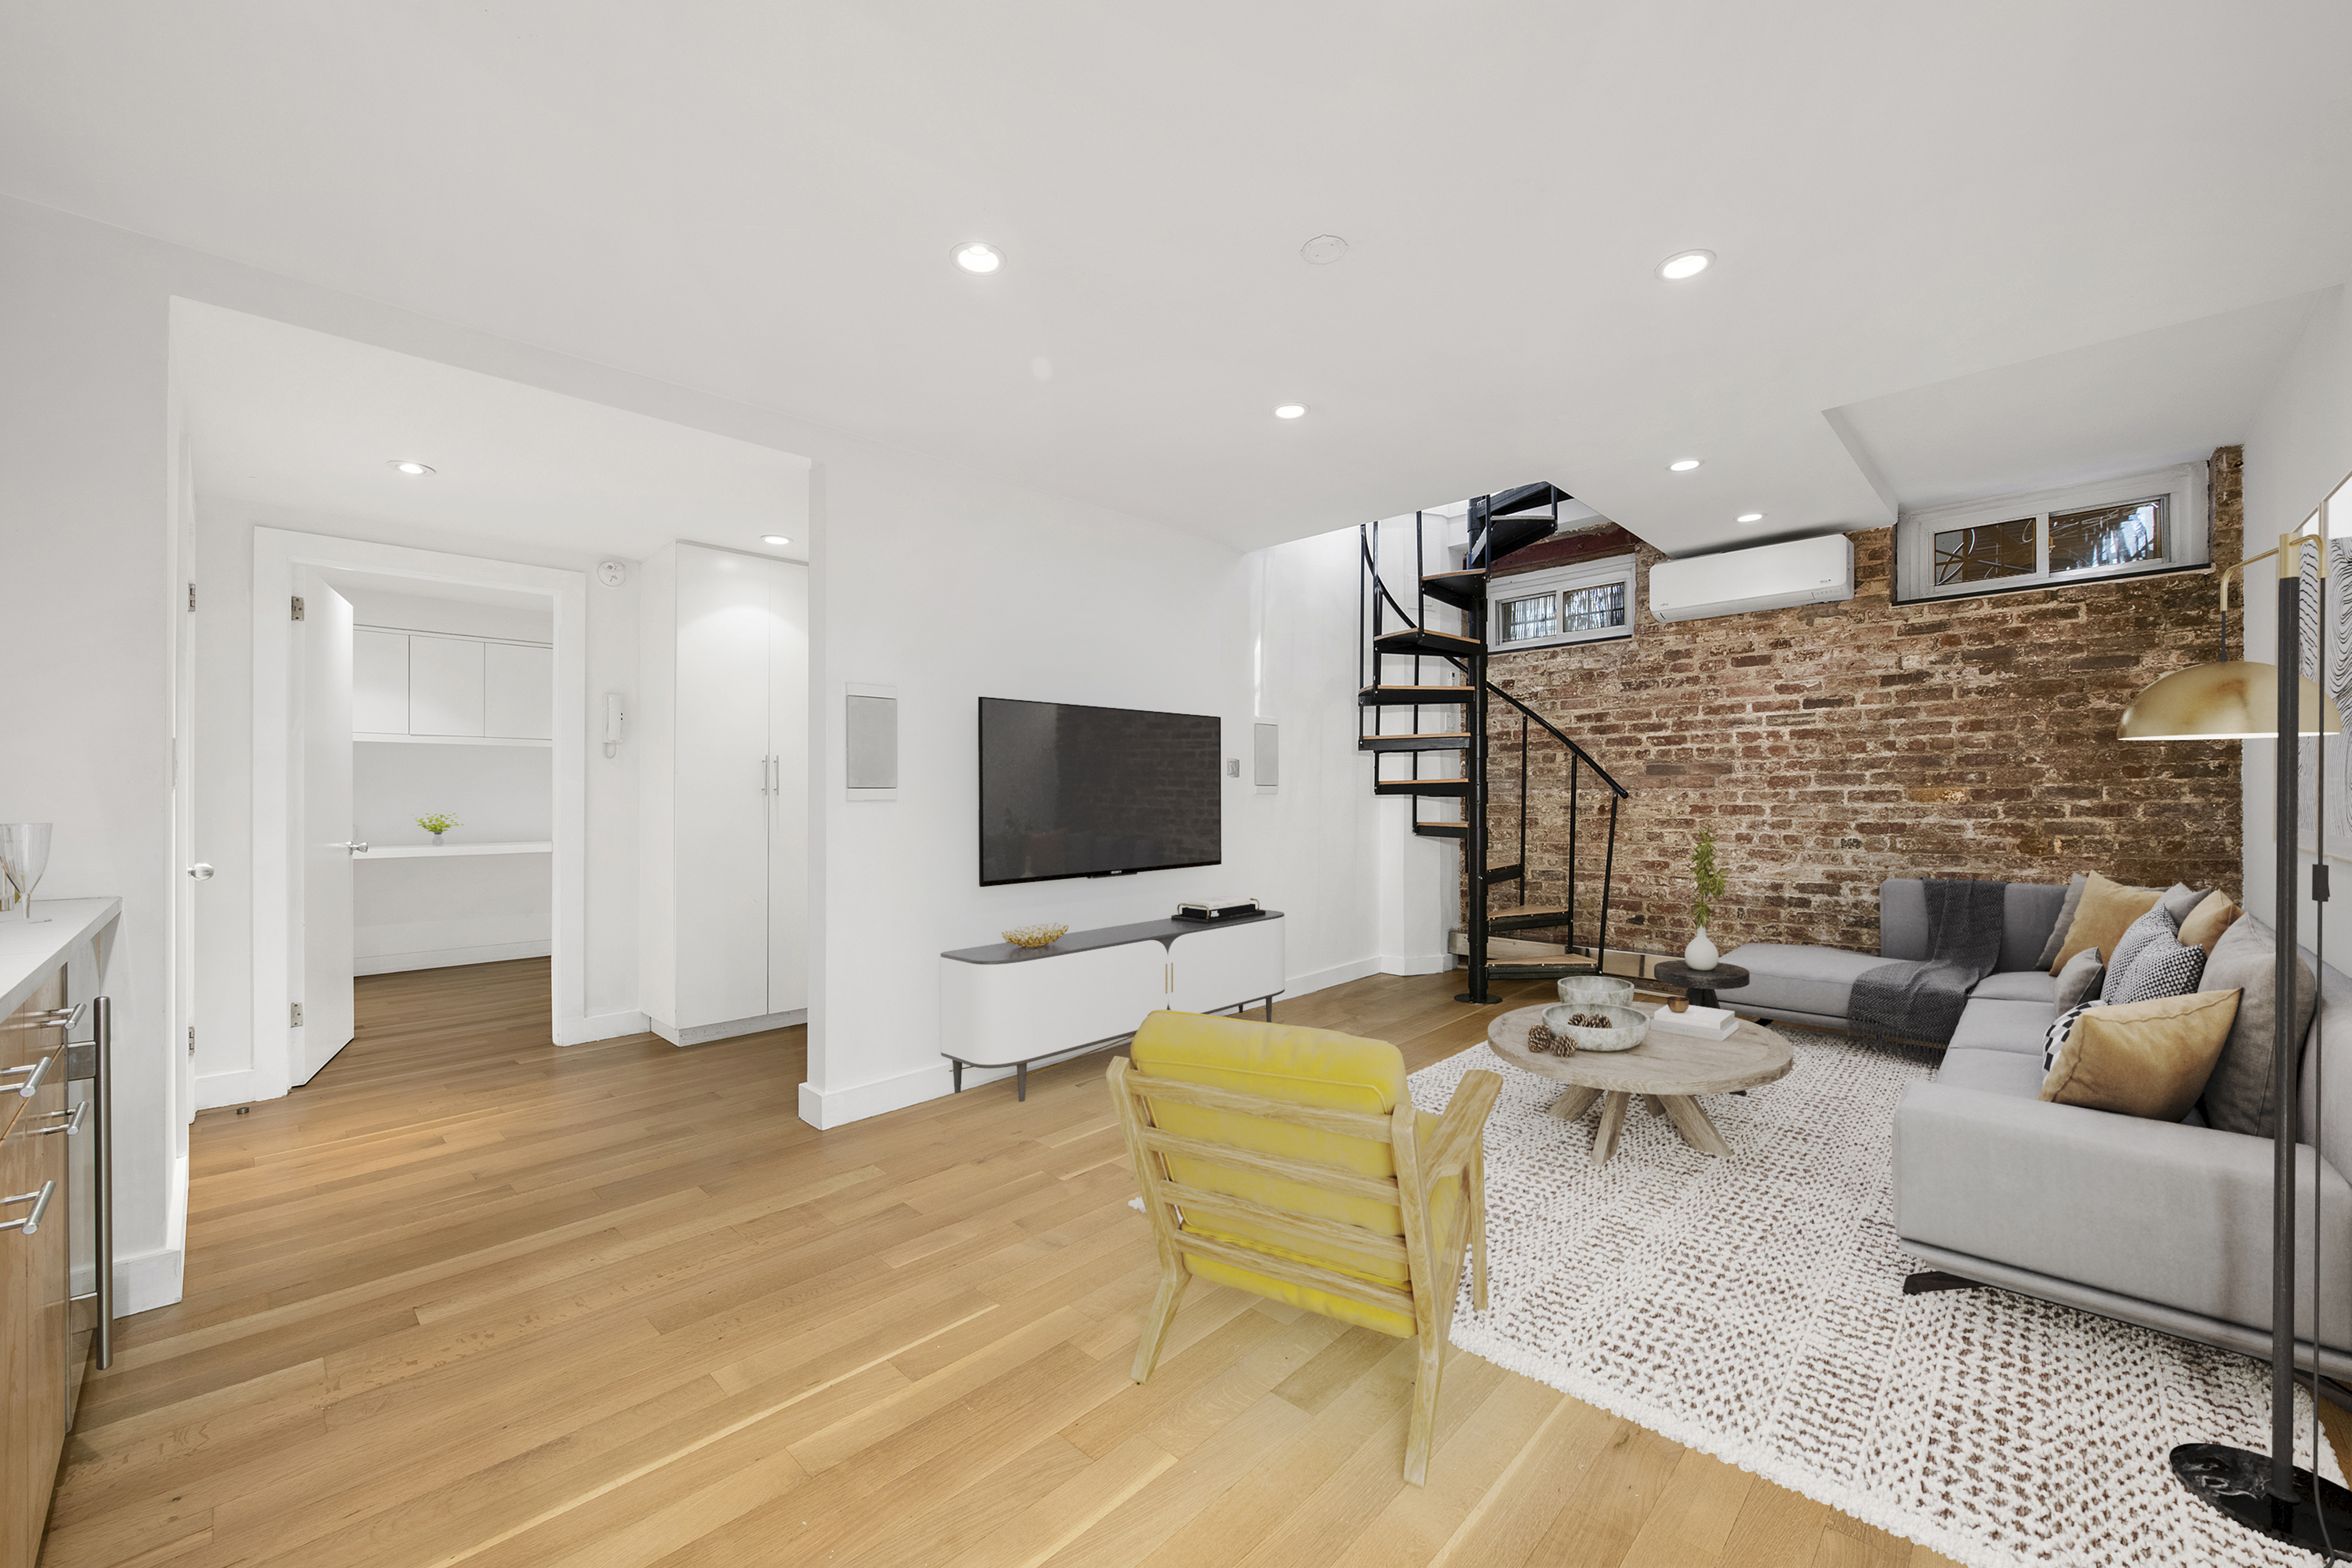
[(1007, 1006)]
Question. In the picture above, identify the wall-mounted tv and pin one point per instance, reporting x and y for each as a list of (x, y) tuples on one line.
[(1071, 791)]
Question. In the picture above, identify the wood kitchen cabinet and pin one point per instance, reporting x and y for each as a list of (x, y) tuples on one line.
[(34, 1272)]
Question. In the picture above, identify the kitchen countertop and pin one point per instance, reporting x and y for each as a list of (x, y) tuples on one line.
[(30, 954)]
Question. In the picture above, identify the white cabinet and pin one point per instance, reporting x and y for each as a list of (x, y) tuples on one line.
[(724, 720), (518, 690), (428, 686), (379, 682), (1006, 1006), (445, 686)]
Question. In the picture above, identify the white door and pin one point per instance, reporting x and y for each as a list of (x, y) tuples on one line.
[(322, 931), (788, 957), (725, 784)]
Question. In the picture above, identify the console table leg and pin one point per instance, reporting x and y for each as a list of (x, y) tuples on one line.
[(957, 1067), (1020, 1080)]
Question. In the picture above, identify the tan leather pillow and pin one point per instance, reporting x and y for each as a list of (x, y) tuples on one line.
[(2208, 921), (2145, 1059), (2106, 908)]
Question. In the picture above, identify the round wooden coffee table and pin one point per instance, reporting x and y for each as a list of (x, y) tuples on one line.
[(1667, 1071)]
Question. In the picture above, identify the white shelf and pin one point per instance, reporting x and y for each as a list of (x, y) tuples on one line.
[(452, 740), (444, 851)]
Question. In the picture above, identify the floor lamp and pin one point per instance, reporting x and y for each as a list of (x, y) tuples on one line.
[(2236, 700)]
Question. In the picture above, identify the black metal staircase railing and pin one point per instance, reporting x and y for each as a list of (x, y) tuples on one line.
[(1499, 524)]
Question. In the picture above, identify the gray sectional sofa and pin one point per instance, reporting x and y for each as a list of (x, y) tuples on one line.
[(2161, 1224)]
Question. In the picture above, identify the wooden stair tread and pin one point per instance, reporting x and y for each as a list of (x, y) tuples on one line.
[(1524, 911), (1563, 961)]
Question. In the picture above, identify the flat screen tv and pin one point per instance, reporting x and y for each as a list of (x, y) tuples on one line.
[(1072, 791)]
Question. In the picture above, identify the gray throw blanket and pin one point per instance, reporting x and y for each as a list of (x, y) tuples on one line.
[(1920, 999)]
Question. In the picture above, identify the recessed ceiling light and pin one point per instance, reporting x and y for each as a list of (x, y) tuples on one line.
[(1323, 249), (1682, 465), (978, 255), (1289, 410), (1752, 517), (1685, 264), (773, 539), (408, 465)]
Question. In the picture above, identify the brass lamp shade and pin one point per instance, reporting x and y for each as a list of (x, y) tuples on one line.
[(2236, 700)]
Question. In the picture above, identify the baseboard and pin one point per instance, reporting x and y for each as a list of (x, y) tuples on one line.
[(145, 1280), (825, 1108), (449, 957), (1414, 964), (703, 1034), (600, 1026), (1339, 974), (243, 1087)]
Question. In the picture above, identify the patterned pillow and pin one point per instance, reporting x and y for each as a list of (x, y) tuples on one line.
[(2167, 968), (2136, 938), (2056, 1041)]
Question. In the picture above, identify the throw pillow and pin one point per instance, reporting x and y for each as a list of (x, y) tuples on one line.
[(2049, 959), (2150, 1058), (2180, 900), (2105, 909), (2238, 1097), (2054, 1040), (2079, 982), (2164, 968), (2205, 924), (2149, 930)]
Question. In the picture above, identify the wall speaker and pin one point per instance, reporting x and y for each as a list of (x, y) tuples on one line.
[(870, 741), (1265, 765)]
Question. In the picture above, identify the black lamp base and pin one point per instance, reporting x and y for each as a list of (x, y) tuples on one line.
[(2238, 1481)]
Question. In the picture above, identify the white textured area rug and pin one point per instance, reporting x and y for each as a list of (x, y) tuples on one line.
[(1753, 1307)]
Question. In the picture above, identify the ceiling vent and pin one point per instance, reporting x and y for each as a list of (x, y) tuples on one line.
[(1817, 571)]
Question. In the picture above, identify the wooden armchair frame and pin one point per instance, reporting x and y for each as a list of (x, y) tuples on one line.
[(1432, 1263)]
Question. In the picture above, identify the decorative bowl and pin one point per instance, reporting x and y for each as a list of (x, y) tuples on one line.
[(1609, 990), (1035, 936), (1630, 1026)]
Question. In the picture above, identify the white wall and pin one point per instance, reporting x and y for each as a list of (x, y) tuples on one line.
[(2300, 449), (915, 565), (451, 908), (991, 591)]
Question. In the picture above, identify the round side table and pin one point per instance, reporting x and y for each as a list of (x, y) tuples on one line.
[(1701, 985)]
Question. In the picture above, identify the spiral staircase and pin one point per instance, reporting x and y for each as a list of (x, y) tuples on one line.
[(1433, 678)]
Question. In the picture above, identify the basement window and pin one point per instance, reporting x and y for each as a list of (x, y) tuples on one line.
[(1583, 601), (2126, 527)]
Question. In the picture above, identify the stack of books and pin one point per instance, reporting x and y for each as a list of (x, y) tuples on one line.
[(1706, 1022)]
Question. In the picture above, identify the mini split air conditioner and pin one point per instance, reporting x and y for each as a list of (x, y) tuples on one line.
[(1770, 577)]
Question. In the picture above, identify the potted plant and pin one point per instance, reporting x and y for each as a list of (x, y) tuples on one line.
[(1708, 884), (438, 823)]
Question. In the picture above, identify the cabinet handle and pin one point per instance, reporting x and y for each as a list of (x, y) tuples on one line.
[(40, 1202), (72, 1124), (764, 775), (39, 1070)]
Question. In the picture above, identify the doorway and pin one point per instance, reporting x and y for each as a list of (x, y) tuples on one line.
[(386, 677)]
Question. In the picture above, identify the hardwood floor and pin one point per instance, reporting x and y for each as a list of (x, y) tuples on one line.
[(470, 1299)]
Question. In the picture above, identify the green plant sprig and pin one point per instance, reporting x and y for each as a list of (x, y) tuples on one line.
[(1705, 878), (438, 822)]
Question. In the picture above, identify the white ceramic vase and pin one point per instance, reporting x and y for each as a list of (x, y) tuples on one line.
[(1701, 953)]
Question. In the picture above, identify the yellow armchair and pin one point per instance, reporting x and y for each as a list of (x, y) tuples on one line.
[(1291, 1162)]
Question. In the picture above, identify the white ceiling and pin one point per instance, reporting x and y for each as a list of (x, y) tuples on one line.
[(2121, 407), (311, 422), (759, 201)]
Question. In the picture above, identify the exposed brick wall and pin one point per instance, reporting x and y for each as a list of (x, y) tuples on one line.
[(1836, 745)]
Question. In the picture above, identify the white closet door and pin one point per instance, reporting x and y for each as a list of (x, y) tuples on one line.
[(788, 983), (445, 686), (517, 691), (723, 786), (379, 683)]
